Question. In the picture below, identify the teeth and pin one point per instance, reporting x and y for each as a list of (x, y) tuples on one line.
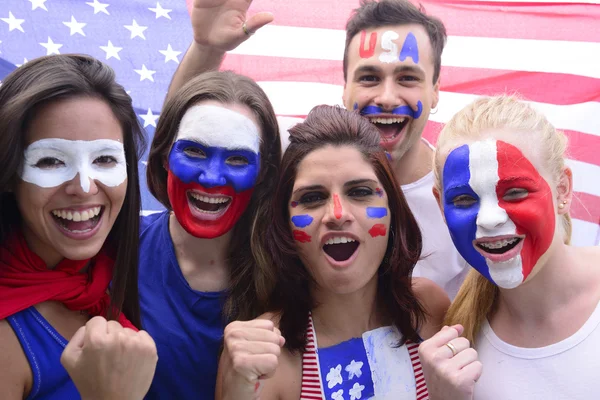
[(211, 200), (379, 120), (339, 239), (77, 216), (498, 244)]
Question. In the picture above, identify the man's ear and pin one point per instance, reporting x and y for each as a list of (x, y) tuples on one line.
[(564, 191), (436, 94)]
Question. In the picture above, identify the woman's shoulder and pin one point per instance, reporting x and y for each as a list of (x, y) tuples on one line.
[(435, 303), (15, 374)]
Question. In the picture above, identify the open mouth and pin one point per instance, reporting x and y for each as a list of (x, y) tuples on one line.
[(80, 221), (340, 248), (390, 128), (208, 204), (499, 249)]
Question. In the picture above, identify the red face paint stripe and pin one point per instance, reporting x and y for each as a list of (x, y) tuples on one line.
[(301, 236), (337, 206), (367, 53), (377, 230)]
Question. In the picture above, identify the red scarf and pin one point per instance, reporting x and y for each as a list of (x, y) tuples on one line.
[(26, 281)]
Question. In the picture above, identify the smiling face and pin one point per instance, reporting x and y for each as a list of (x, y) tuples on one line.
[(339, 218), (390, 81), (213, 167), (499, 208), (73, 179)]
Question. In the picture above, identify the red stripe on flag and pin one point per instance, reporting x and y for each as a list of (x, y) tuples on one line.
[(542, 87), (517, 20), (586, 207)]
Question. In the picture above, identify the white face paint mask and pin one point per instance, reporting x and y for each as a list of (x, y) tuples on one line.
[(52, 162)]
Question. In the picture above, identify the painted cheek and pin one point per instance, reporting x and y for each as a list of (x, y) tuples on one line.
[(462, 221), (533, 216), (377, 230), (376, 212), (301, 236), (302, 221), (337, 206)]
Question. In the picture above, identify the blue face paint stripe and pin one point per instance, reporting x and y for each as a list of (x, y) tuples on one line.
[(462, 220), (210, 166), (376, 212), (302, 221)]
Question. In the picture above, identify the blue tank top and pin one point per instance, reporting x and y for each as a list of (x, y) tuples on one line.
[(43, 346), (186, 324)]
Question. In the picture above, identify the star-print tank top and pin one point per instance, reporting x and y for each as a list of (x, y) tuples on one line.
[(369, 367)]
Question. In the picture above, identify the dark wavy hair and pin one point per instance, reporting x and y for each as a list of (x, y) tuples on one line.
[(291, 299), (55, 78), (250, 283)]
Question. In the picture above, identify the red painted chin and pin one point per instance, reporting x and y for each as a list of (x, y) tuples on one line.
[(201, 219)]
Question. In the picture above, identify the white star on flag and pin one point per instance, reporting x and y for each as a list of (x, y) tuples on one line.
[(51, 47), (339, 395), (13, 23), (75, 27), (334, 376), (170, 54), (111, 51), (356, 391), (35, 4), (160, 12), (136, 30), (149, 118), (354, 369), (99, 7), (145, 73)]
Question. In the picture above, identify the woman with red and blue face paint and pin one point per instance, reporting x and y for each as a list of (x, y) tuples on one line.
[(212, 164), (529, 311), (344, 244)]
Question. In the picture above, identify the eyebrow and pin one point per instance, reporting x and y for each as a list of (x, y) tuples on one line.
[(399, 69), (349, 183)]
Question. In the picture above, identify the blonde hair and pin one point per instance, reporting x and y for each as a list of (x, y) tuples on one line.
[(477, 296)]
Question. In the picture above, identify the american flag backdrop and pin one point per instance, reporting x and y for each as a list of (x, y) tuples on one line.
[(549, 52)]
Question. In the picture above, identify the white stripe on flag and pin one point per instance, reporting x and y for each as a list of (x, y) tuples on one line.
[(553, 56)]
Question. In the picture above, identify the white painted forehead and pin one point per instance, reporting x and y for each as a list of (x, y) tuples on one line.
[(215, 126)]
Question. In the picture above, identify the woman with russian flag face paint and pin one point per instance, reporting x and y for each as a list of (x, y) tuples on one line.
[(344, 244), (212, 164), (529, 311), (69, 222)]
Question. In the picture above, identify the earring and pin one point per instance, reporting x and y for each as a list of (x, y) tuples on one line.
[(433, 111), (562, 205)]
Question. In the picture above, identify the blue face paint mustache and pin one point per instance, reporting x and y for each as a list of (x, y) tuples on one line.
[(214, 166), (402, 110)]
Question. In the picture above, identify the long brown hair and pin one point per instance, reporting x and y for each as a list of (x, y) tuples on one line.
[(54, 78), (333, 126), (250, 284)]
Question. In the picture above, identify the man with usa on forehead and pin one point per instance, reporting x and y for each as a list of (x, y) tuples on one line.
[(392, 62)]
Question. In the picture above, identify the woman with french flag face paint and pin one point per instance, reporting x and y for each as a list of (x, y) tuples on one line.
[(499, 210), (526, 321), (213, 166)]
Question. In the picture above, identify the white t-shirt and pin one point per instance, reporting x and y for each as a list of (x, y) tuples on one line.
[(440, 261), (567, 370)]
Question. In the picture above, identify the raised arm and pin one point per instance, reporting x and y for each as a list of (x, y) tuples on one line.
[(219, 26)]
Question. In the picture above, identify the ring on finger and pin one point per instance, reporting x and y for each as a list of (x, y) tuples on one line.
[(245, 29), (452, 348)]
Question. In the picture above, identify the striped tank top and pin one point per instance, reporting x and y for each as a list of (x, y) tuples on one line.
[(370, 367)]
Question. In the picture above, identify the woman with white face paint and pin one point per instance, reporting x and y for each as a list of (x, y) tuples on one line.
[(212, 164), (344, 244), (529, 312), (69, 204)]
